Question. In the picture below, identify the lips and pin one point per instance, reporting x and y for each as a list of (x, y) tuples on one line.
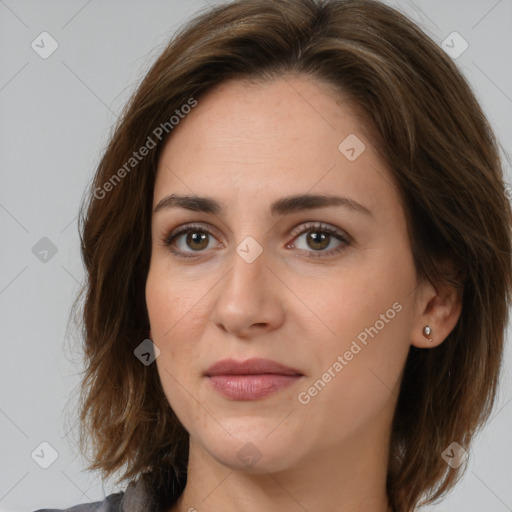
[(253, 379), (249, 367)]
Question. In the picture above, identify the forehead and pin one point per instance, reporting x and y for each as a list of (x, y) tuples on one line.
[(267, 117), (289, 133)]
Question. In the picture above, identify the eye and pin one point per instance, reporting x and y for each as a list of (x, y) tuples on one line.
[(197, 238), (319, 236)]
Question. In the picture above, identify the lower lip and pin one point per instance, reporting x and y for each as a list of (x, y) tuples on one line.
[(251, 387)]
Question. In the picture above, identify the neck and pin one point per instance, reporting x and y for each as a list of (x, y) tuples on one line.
[(346, 478)]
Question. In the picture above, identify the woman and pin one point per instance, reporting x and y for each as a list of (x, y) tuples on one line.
[(298, 255)]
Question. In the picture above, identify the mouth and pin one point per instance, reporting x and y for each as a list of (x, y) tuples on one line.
[(252, 379)]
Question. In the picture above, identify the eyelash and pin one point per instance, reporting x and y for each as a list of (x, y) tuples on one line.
[(168, 238)]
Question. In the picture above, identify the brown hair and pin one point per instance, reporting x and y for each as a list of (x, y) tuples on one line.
[(444, 157)]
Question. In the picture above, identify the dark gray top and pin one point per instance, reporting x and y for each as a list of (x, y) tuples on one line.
[(136, 498)]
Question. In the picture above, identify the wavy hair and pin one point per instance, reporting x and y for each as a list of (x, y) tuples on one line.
[(431, 132)]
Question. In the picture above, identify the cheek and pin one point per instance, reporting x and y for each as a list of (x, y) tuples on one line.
[(369, 338), (176, 317), (360, 298), (175, 320), (369, 315), (356, 376)]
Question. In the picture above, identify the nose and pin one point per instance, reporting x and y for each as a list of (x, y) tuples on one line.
[(250, 298)]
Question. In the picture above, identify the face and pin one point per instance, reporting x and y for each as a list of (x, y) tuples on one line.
[(326, 290)]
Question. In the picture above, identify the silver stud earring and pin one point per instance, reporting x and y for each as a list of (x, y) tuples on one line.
[(427, 331)]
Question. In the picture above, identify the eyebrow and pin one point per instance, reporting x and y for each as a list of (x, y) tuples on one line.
[(283, 206)]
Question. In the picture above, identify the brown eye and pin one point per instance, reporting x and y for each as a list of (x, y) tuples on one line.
[(187, 240), (318, 240), (318, 237), (196, 240)]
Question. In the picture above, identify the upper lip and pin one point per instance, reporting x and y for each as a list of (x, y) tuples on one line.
[(253, 366)]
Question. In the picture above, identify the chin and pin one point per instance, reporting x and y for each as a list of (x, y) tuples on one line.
[(259, 457), (250, 445)]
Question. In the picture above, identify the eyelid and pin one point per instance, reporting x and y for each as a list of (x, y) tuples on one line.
[(193, 225), (320, 226)]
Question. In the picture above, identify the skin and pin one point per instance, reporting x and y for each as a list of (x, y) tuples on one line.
[(247, 145)]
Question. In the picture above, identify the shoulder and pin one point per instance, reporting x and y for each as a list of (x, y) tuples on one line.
[(112, 503), (138, 497)]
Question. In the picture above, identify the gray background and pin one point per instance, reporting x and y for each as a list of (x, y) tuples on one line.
[(56, 116)]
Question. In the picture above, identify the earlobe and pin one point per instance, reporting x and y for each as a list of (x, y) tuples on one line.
[(437, 316), (427, 331)]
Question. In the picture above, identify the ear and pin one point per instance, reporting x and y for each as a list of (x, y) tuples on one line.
[(438, 307)]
